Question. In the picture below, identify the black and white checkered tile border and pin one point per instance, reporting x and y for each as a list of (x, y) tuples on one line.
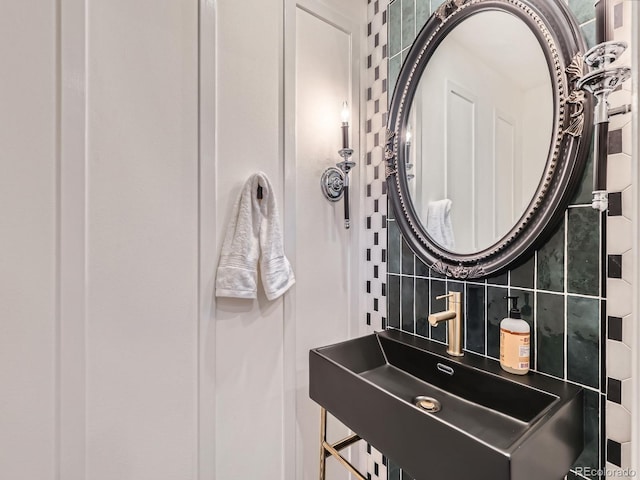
[(375, 191), (375, 210), (620, 256)]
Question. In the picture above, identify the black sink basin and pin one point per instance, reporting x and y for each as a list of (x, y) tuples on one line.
[(445, 418)]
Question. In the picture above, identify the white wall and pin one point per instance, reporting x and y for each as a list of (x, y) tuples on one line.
[(248, 344), (324, 307), (142, 243), (28, 240), (270, 118), (127, 129)]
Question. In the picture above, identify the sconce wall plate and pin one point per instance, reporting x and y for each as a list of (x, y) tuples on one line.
[(332, 184)]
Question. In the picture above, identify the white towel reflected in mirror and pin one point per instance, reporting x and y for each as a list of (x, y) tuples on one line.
[(439, 225)]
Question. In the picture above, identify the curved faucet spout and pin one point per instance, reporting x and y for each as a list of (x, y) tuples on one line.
[(436, 318)]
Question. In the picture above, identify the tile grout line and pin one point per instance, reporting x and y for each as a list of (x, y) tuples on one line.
[(566, 289), (466, 316), (526, 289), (415, 327), (535, 307), (486, 318)]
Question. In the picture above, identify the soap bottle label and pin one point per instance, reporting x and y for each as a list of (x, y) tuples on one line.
[(514, 349)]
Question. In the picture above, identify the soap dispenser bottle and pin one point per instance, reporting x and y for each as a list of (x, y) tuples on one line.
[(515, 338)]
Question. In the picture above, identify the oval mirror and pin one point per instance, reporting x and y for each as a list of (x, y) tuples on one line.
[(487, 133)]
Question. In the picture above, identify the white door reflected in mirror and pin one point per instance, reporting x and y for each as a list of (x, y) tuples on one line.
[(481, 123)]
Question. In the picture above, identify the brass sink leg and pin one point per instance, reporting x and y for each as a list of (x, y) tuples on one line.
[(327, 450), (323, 438)]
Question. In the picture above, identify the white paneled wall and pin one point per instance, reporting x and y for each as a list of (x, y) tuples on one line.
[(142, 240), (28, 240), (248, 345), (324, 308), (127, 128)]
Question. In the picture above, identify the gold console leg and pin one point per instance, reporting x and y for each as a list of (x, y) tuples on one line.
[(323, 438), (327, 450)]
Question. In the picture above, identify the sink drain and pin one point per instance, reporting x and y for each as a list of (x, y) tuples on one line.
[(428, 404)]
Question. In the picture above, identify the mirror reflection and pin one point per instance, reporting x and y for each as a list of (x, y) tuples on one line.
[(479, 131)]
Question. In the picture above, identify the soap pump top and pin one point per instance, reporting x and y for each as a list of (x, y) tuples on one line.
[(514, 312)]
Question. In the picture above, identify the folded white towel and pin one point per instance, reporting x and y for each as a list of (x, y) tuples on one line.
[(253, 236), (439, 225)]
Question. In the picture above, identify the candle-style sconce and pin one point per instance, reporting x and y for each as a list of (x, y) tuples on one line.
[(600, 82), (407, 156), (335, 181)]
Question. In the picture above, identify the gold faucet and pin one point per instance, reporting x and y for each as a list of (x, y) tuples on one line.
[(453, 315)]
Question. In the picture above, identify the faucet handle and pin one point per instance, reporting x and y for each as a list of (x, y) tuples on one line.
[(453, 296)]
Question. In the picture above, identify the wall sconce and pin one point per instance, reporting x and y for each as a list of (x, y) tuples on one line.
[(600, 83), (407, 156), (335, 181)]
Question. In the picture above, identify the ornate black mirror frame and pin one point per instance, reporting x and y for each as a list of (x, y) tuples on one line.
[(563, 46)]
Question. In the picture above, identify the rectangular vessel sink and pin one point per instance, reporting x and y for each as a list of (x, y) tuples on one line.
[(446, 418)]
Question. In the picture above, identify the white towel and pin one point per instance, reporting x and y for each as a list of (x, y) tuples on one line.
[(253, 236), (439, 225)]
